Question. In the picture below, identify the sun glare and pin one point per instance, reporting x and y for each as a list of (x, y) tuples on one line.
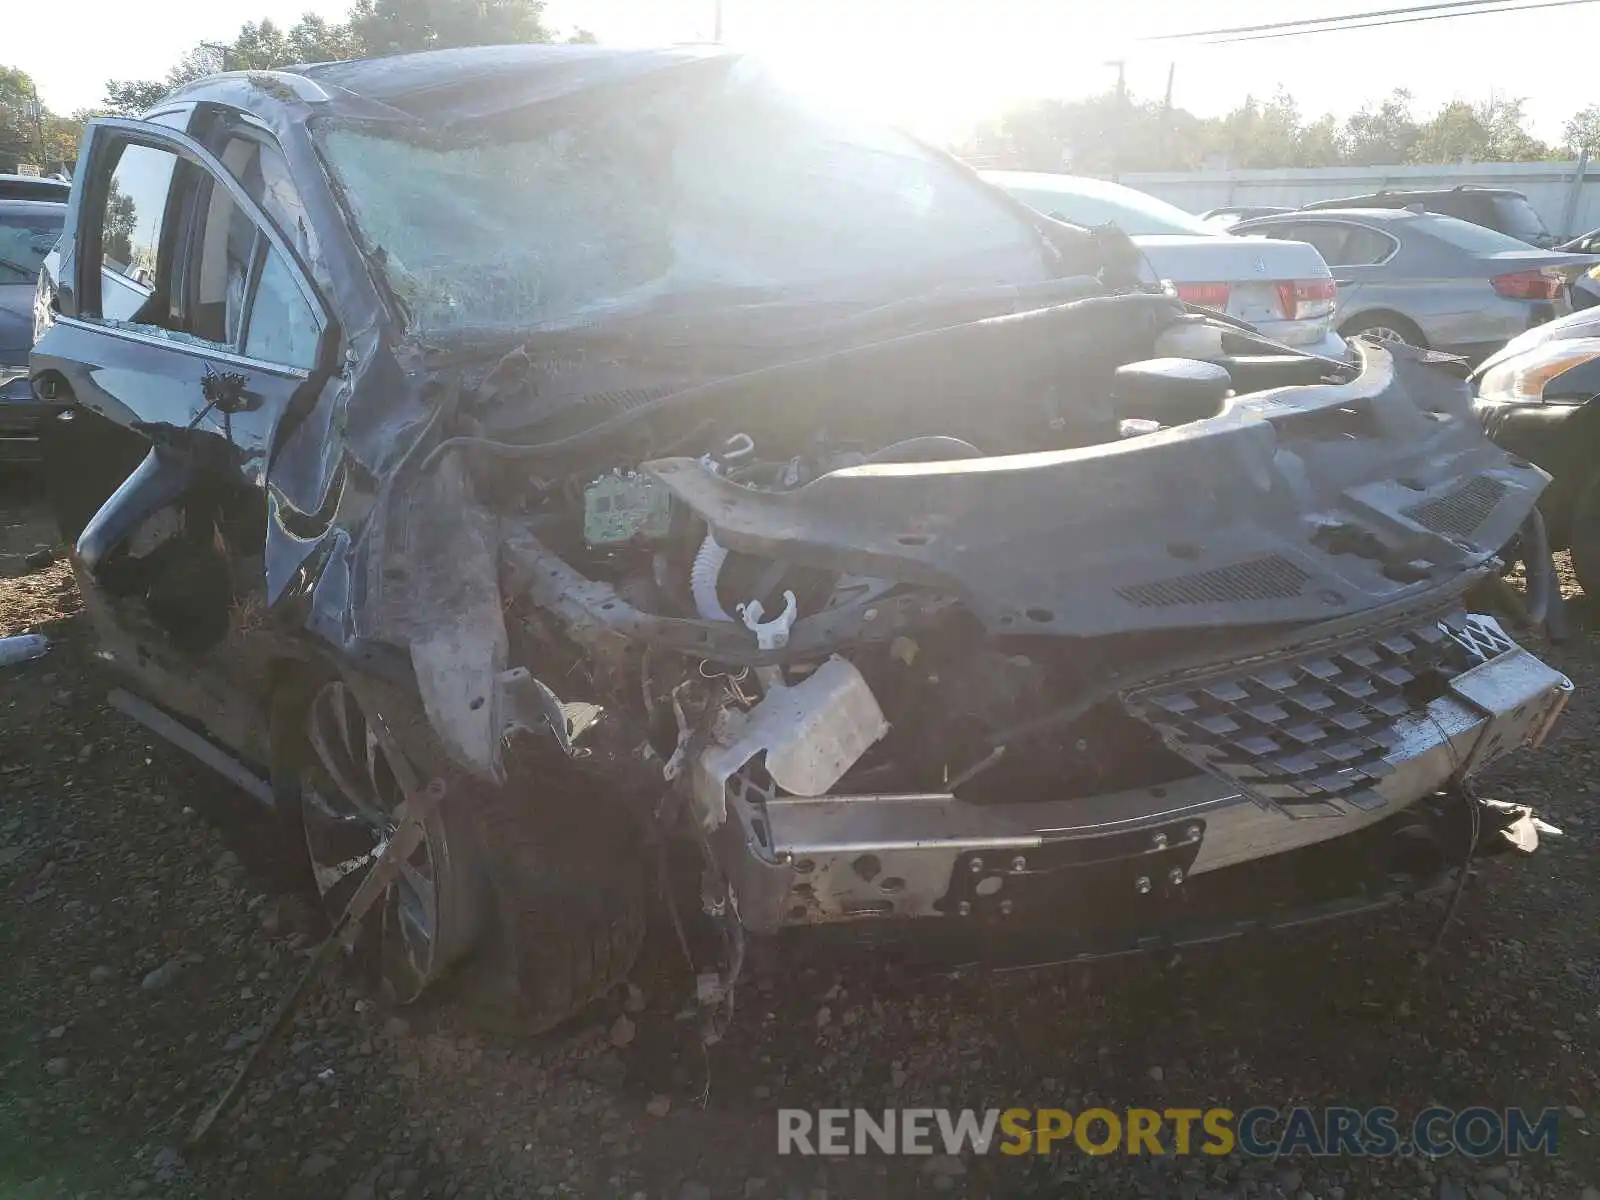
[(934, 81)]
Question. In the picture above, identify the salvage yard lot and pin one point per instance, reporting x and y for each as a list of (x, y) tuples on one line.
[(150, 923)]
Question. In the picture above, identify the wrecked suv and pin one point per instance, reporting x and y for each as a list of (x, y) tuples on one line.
[(689, 482)]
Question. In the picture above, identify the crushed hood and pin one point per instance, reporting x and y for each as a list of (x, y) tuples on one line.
[(1294, 505)]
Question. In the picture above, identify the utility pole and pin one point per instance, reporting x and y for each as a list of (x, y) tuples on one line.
[(1167, 132), (1122, 79), (716, 21), (38, 125), (1119, 119)]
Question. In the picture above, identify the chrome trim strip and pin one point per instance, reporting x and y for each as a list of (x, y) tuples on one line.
[(203, 749)]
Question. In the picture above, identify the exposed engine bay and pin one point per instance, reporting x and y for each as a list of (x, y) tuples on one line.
[(885, 635)]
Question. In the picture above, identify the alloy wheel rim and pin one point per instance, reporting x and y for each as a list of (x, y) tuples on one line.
[(351, 805)]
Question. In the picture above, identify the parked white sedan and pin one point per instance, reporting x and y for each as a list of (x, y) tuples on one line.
[(1283, 288)]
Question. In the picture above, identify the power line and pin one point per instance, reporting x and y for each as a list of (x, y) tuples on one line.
[(1477, 12), (1381, 12)]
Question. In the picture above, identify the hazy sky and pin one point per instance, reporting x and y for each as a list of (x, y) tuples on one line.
[(937, 64)]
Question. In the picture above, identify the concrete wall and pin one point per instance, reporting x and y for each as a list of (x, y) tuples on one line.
[(1569, 206)]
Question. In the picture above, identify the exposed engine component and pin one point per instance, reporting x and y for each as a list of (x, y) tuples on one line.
[(625, 507), (810, 734), (703, 577)]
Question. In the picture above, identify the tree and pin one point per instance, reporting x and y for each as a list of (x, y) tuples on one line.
[(30, 132), (373, 28), (1320, 143), (262, 46), (316, 39), (129, 97), (1112, 132), (1582, 131), (1102, 134), (1488, 132), (1455, 134), (1505, 122), (1384, 135), (120, 222), (20, 118), (1260, 134), (385, 27)]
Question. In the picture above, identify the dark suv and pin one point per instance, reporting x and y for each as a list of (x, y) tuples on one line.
[(1493, 208), (666, 472)]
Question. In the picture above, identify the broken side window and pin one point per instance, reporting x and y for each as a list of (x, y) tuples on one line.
[(263, 172), (283, 327)]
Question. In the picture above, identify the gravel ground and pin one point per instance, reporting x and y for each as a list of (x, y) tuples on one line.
[(150, 922)]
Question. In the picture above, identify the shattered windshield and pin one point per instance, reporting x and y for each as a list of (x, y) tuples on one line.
[(710, 189)]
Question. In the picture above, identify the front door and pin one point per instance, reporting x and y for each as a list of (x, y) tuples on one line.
[(192, 321), (189, 327)]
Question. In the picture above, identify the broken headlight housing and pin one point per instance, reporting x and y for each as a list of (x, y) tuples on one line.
[(1522, 377)]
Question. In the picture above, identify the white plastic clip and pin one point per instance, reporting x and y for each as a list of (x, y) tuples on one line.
[(773, 634), (770, 635)]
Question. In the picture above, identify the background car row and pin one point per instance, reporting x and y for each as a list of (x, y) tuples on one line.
[(1430, 280), (1282, 287), (1385, 266)]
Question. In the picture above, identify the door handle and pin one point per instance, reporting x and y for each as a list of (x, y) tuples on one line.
[(229, 391)]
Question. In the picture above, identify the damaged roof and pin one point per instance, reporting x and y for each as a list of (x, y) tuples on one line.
[(463, 84)]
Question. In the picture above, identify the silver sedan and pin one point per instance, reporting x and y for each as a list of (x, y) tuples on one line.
[(1429, 280)]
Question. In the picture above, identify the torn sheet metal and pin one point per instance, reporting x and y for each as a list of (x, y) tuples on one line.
[(434, 589), (526, 703)]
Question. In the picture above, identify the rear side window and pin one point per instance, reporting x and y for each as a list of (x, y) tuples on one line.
[(283, 327), (1362, 247), (1466, 236), (1326, 237), (1340, 245), (1517, 217), (263, 172)]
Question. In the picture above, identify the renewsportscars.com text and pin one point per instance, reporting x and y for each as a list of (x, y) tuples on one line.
[(1260, 1132)]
